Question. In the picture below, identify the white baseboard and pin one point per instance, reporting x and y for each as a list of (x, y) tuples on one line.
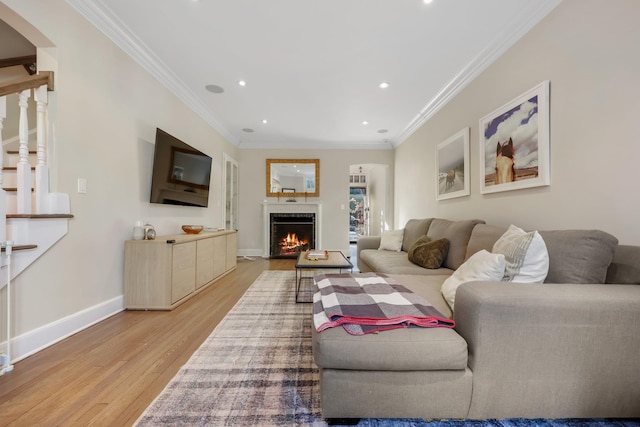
[(250, 252), (38, 339)]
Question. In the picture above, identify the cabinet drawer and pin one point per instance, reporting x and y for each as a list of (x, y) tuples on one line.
[(232, 252), (204, 262), (183, 280), (220, 243)]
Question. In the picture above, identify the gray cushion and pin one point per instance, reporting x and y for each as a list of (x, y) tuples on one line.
[(625, 267), (413, 230), (575, 256), (394, 262), (457, 233), (399, 349), (578, 256), (483, 236)]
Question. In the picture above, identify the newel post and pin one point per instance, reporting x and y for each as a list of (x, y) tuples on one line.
[(3, 194), (23, 167), (42, 170)]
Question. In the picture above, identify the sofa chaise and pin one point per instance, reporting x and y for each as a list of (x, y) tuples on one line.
[(565, 348)]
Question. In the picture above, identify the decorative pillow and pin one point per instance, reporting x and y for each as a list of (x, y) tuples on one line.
[(482, 265), (427, 253), (527, 259), (391, 240)]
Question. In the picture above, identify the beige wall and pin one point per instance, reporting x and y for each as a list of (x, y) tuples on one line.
[(588, 51), (334, 192), (105, 110)]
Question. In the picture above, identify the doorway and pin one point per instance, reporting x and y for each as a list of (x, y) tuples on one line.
[(230, 193), (358, 213), (370, 210)]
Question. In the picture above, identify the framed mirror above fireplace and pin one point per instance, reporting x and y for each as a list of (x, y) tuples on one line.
[(293, 177)]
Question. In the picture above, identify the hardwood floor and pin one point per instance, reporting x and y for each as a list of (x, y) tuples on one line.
[(109, 373)]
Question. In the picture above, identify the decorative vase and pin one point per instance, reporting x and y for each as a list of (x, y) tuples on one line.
[(138, 231)]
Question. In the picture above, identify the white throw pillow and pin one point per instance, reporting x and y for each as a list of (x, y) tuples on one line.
[(526, 255), (392, 240), (482, 265)]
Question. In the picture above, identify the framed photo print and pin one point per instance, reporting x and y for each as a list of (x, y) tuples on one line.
[(514, 143), (452, 166)]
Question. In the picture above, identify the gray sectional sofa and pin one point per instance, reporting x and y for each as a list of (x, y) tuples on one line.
[(568, 347)]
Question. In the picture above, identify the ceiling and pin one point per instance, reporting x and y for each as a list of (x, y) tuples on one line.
[(313, 68)]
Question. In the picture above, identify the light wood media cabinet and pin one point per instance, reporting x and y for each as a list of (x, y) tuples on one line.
[(163, 273)]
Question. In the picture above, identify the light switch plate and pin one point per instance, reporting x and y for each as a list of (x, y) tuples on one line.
[(82, 185)]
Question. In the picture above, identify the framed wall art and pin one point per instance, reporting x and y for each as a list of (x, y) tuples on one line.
[(452, 166), (514, 143)]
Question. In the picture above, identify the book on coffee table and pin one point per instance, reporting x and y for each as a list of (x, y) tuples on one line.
[(315, 254)]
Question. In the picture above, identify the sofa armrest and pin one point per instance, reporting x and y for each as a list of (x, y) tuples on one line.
[(551, 350), (367, 242)]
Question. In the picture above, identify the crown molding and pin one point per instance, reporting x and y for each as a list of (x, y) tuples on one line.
[(315, 145), (104, 20), (503, 40), (101, 17)]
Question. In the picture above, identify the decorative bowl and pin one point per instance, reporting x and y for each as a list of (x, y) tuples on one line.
[(192, 229)]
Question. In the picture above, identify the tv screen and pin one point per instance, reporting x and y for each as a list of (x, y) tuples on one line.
[(181, 174)]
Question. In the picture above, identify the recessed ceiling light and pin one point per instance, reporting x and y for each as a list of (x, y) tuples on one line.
[(242, 83), (247, 130), (427, 1), (365, 122), (383, 131), (264, 121), (383, 85), (214, 88)]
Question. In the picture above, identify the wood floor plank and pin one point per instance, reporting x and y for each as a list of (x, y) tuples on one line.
[(109, 373)]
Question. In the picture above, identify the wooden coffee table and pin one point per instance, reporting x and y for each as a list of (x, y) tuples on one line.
[(335, 260)]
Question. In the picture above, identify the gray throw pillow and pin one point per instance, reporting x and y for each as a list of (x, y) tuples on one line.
[(427, 253), (578, 256)]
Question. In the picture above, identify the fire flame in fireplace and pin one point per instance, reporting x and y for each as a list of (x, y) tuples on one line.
[(291, 244)]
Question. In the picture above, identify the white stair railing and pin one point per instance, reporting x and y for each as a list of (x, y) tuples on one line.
[(32, 195), (34, 234)]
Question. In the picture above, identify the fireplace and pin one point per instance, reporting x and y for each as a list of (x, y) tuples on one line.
[(291, 233)]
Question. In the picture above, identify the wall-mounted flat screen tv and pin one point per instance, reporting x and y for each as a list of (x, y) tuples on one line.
[(181, 173)]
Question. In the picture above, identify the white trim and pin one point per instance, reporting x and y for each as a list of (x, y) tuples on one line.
[(501, 43), (318, 145), (38, 339), (101, 17), (250, 253)]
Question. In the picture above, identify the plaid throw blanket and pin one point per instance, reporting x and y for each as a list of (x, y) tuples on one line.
[(370, 302)]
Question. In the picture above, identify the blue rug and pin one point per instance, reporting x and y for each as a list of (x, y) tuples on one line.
[(513, 422)]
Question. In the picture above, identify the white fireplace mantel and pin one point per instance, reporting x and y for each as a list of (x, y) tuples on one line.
[(288, 207)]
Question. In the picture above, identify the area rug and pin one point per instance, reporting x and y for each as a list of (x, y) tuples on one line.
[(256, 369)]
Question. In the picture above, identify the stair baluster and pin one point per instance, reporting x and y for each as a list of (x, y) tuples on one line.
[(23, 167), (3, 194), (6, 262), (42, 170)]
